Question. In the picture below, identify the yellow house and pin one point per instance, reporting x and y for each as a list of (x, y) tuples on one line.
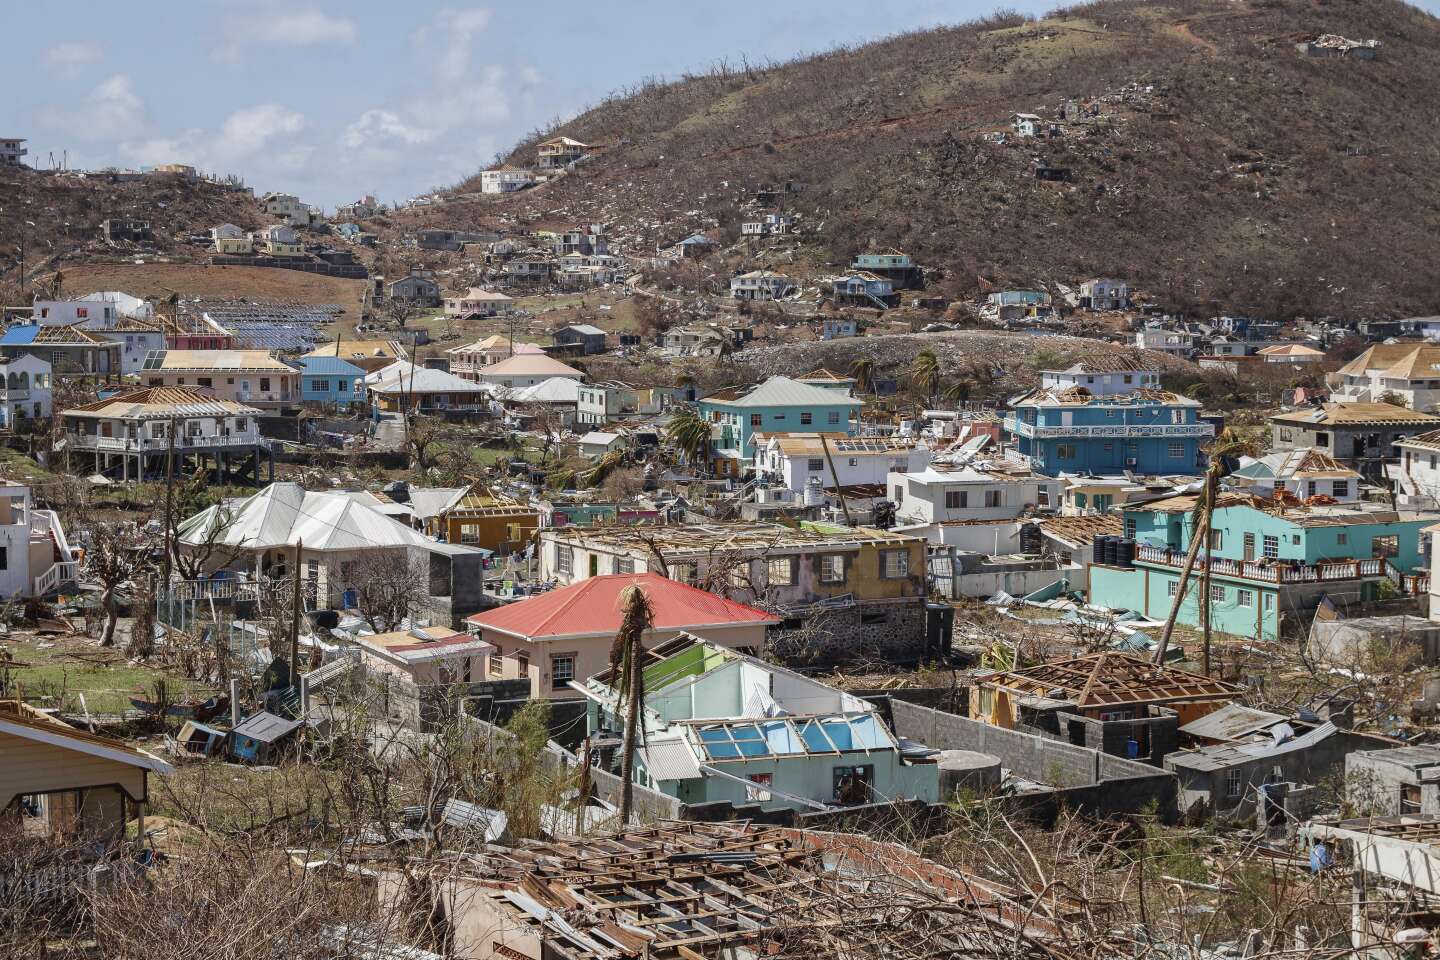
[(63, 782), (1109, 686), (279, 240), (230, 239), (485, 520), (368, 355)]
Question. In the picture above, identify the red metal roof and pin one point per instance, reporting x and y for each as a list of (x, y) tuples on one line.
[(592, 606)]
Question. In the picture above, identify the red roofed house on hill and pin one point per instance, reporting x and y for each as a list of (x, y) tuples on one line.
[(566, 634)]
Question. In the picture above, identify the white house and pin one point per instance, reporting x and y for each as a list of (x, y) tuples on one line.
[(1408, 370), (1417, 475), (26, 393), (526, 370), (1303, 473), (1104, 294), (761, 285), (1102, 377), (1027, 124), (288, 207), (1293, 353), (477, 302), (35, 557), (598, 443), (1177, 343), (772, 224), (599, 403), (63, 313), (127, 307), (230, 239), (932, 496), (792, 459), (11, 151), (505, 180)]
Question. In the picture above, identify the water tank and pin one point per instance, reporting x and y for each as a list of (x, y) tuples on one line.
[(1031, 540), (814, 492), (968, 770), (1127, 553), (1112, 551)]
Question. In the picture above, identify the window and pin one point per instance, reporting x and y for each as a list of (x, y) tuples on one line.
[(1129, 528), (264, 383), (898, 495), (1170, 588), (1109, 448), (779, 416), (894, 564), (320, 386), (1342, 538), (1267, 602), (832, 568), (1322, 439), (1270, 546), (1217, 593), (683, 572), (992, 498), (1340, 488), (1110, 414), (469, 533), (1217, 539), (806, 419), (1384, 546), (758, 792), (57, 357), (1311, 488), (497, 664), (780, 572), (1065, 451), (624, 564), (1245, 598), (833, 416), (956, 499), (1042, 495), (852, 784), (1232, 782), (564, 560), (815, 464), (562, 670), (854, 462), (205, 381), (1176, 451)]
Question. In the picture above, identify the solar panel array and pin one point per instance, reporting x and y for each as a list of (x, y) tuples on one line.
[(266, 326)]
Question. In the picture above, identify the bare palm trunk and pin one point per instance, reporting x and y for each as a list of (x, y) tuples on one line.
[(1201, 533), (627, 654)]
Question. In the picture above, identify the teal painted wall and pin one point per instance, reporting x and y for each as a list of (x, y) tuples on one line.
[(1146, 590)]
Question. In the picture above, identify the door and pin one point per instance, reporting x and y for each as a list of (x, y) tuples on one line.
[(1249, 546)]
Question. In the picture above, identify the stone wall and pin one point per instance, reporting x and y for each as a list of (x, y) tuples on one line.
[(885, 631)]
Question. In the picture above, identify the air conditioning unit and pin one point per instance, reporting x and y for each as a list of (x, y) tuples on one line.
[(1130, 461)]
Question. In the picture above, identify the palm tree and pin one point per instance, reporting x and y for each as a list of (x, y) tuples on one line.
[(689, 431), (604, 466), (925, 373), (863, 370), (628, 675), (1228, 445), (958, 392), (685, 381)]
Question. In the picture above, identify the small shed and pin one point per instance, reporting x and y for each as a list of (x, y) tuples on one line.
[(197, 738), (262, 738)]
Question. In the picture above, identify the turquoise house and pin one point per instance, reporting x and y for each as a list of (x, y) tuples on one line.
[(1270, 566), (779, 405), (330, 381), (721, 726)]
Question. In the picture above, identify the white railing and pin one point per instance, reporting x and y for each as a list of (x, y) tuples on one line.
[(1020, 428), (1270, 571), (65, 571), (162, 444)]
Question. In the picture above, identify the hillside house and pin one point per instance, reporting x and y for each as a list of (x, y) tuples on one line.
[(70, 350), (870, 583), (770, 225), (565, 635), (1177, 343), (559, 152), (418, 288), (796, 460), (1103, 294), (466, 361), (588, 239), (761, 285), (479, 518), (527, 269), (600, 443), (778, 405), (695, 341), (1028, 125), (836, 328), (362, 209), (279, 240), (526, 370), (1403, 373), (1292, 353), (128, 435), (1358, 434), (862, 289), (902, 271), (695, 245), (599, 403), (230, 240), (330, 381), (724, 727), (79, 788), (1301, 473), (505, 180), (25, 392), (126, 230), (12, 149), (583, 338), (426, 656), (289, 209), (1081, 422), (243, 376), (477, 302), (1270, 564), (1417, 474), (1017, 305), (368, 355), (402, 388), (930, 496)]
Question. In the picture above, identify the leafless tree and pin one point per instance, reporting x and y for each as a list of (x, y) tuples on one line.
[(116, 554), (391, 586)]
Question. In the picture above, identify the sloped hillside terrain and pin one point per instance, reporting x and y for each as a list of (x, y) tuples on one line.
[(1215, 166)]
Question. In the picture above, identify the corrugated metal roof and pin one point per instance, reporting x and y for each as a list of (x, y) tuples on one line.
[(669, 759), (329, 366), (266, 727)]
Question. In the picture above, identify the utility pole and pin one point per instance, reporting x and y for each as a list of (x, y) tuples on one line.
[(410, 392), (295, 620), (169, 499), (839, 490)]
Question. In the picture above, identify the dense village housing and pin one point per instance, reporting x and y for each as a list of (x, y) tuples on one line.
[(969, 495)]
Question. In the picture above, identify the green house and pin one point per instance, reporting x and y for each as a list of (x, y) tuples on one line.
[(1270, 565)]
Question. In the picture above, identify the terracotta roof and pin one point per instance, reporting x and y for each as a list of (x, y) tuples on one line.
[(592, 607), (1111, 678), (1080, 531), (1340, 414)]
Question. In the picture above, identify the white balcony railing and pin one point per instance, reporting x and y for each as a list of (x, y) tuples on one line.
[(162, 444), (1080, 431), (65, 571), (1285, 571)]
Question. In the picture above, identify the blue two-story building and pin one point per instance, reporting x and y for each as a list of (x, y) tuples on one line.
[(330, 381), (779, 405), (1107, 417), (1269, 565)]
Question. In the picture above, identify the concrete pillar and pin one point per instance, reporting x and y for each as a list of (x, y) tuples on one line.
[(1359, 934)]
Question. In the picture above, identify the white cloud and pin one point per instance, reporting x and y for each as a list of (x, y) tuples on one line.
[(247, 132), (108, 112), (293, 28), (451, 39), (69, 54), (256, 142), (380, 125)]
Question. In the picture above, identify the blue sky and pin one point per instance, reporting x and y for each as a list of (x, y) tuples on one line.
[(331, 100)]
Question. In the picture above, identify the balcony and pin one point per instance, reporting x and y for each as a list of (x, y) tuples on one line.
[(1282, 572), (1109, 431), (162, 444)]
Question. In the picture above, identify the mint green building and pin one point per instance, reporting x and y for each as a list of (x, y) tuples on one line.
[(723, 727), (1269, 567)]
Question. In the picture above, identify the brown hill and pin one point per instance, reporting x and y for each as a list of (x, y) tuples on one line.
[(1222, 168)]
